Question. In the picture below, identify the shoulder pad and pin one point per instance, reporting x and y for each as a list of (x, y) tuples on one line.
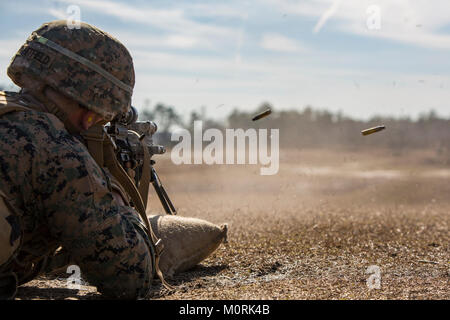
[(10, 101)]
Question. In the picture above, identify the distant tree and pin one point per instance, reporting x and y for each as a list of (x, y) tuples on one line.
[(164, 116), (313, 128), (206, 122), (308, 114), (428, 117), (146, 113), (194, 116)]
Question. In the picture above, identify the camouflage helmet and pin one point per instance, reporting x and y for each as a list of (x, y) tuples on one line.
[(85, 64)]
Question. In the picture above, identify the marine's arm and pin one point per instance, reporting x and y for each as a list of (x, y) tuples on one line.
[(103, 236)]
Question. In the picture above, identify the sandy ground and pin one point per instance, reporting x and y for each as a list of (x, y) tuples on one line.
[(312, 230)]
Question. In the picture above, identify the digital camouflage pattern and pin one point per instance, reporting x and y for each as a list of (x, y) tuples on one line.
[(64, 199), (35, 63), (10, 233)]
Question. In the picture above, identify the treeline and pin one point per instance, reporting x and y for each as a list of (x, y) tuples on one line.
[(311, 128)]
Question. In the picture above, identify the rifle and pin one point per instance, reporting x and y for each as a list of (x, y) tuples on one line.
[(130, 138), (125, 147)]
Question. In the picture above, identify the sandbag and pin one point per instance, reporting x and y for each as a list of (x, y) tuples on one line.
[(187, 241)]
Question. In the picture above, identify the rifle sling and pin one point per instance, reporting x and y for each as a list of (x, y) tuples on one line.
[(5, 110), (94, 138), (110, 161), (102, 150), (144, 182)]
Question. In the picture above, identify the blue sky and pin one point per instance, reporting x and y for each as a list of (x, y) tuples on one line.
[(228, 54)]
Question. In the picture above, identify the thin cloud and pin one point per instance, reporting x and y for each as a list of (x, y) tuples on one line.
[(399, 19), (191, 54), (172, 20), (9, 47), (280, 43), (215, 10), (58, 14), (327, 15)]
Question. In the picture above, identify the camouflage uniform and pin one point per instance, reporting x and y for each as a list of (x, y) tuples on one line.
[(64, 198)]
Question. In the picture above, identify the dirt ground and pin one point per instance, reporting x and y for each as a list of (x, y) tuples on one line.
[(312, 230)]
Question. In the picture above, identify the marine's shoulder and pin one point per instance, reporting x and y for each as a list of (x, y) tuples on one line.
[(10, 99), (25, 113)]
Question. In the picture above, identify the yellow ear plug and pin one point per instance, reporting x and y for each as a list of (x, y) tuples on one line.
[(89, 119)]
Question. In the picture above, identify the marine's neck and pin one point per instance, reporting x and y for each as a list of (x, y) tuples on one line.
[(33, 100), (39, 101)]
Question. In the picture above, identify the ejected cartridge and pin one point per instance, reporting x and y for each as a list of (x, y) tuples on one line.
[(262, 115), (372, 130)]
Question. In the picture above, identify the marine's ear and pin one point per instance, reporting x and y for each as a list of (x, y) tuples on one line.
[(89, 118)]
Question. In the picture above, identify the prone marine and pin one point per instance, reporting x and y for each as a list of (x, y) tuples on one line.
[(57, 205)]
